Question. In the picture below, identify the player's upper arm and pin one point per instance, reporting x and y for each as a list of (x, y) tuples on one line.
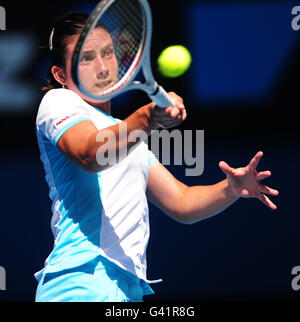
[(64, 119), (165, 191), (75, 144)]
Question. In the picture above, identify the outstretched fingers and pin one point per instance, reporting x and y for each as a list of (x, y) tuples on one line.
[(255, 160), (266, 200), (267, 190), (263, 175), (246, 181), (226, 168)]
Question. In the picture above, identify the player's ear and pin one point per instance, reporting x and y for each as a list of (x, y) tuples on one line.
[(59, 74)]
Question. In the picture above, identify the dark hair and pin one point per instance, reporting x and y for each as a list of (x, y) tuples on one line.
[(61, 36)]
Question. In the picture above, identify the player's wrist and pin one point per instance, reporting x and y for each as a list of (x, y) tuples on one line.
[(229, 190), (148, 114)]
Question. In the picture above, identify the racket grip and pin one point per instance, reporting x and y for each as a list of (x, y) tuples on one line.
[(161, 98)]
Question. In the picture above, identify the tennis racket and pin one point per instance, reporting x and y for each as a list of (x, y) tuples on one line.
[(129, 23)]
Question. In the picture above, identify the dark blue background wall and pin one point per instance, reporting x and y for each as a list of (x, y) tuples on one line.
[(244, 105)]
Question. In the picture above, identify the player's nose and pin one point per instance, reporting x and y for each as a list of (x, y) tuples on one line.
[(101, 69)]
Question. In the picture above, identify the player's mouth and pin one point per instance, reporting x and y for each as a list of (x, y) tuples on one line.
[(104, 84)]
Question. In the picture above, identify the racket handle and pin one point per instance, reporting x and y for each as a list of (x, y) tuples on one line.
[(161, 98)]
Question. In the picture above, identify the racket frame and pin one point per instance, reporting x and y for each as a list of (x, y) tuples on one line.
[(142, 59)]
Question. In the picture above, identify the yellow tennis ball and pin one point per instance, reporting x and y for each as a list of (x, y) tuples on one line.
[(174, 61)]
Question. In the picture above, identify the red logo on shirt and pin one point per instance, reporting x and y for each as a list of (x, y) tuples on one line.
[(62, 120)]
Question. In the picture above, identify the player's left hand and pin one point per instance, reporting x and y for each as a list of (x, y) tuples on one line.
[(245, 181)]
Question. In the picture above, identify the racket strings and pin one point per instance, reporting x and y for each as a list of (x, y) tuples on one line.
[(125, 21), (127, 41)]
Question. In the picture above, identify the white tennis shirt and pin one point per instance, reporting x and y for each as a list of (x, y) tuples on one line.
[(93, 214)]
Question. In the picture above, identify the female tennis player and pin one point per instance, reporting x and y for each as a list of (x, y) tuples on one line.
[(100, 216)]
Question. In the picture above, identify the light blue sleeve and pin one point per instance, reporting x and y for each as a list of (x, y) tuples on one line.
[(59, 110), (67, 127), (151, 158)]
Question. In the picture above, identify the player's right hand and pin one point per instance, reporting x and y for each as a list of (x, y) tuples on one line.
[(170, 116)]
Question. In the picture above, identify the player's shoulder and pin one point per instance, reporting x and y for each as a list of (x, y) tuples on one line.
[(60, 96), (56, 101)]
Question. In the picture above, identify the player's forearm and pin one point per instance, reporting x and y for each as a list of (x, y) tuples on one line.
[(115, 142), (200, 202), (142, 120)]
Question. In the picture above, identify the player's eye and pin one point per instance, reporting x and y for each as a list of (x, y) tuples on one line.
[(86, 58), (107, 53)]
